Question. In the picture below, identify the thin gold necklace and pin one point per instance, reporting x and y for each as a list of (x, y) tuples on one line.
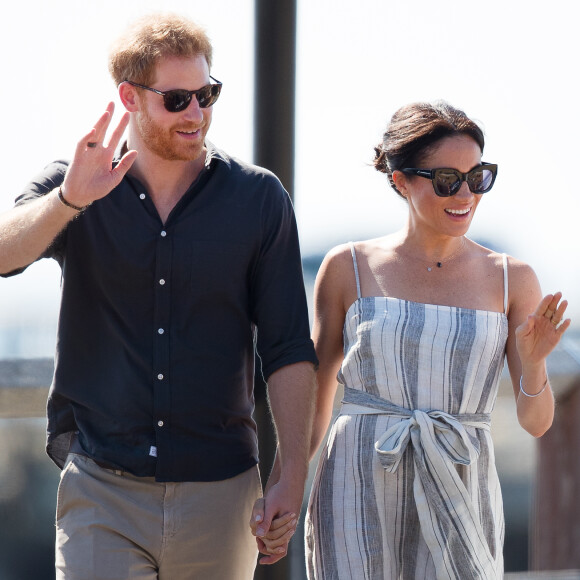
[(440, 263)]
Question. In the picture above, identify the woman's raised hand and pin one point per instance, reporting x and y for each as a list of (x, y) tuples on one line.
[(539, 334)]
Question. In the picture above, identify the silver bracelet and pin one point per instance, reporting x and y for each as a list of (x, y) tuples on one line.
[(537, 394)]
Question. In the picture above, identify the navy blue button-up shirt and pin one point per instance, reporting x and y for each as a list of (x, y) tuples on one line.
[(159, 322)]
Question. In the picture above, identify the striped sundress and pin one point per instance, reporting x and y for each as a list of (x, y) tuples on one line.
[(406, 487)]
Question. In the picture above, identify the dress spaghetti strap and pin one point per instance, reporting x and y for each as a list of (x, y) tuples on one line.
[(505, 283), (352, 251)]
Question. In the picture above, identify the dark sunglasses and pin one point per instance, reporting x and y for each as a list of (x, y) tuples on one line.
[(447, 181), (178, 100)]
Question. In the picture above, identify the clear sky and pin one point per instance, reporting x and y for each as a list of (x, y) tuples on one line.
[(510, 65)]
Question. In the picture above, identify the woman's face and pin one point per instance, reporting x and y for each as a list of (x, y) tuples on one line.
[(452, 215)]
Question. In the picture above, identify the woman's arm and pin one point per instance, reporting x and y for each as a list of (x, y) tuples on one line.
[(334, 291), (535, 327)]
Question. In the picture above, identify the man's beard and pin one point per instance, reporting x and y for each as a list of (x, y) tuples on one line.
[(161, 143)]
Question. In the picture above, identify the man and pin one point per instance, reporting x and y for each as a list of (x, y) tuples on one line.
[(178, 262)]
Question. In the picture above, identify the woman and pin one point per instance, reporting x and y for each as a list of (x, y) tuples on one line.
[(416, 325)]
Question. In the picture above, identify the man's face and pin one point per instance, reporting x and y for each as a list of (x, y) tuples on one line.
[(175, 136)]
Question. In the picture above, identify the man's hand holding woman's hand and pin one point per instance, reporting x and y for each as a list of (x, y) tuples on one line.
[(272, 542)]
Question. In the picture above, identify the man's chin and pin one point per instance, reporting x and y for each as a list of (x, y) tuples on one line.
[(181, 154)]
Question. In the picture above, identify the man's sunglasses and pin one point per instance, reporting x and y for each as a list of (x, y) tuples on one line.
[(447, 181), (178, 100)]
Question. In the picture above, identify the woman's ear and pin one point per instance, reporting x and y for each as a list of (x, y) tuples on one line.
[(401, 182), (129, 97)]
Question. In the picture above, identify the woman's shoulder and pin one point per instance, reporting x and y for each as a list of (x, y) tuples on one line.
[(524, 286), (344, 254), (338, 255), (522, 281), (337, 265), (382, 245), (336, 281), (517, 268)]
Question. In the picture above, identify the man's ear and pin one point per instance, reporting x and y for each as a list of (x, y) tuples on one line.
[(129, 97)]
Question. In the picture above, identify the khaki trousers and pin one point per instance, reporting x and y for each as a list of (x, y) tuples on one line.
[(111, 525)]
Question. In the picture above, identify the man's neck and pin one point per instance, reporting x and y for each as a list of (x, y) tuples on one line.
[(166, 181)]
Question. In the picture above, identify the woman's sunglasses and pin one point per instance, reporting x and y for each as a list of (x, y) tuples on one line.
[(447, 181), (178, 100)]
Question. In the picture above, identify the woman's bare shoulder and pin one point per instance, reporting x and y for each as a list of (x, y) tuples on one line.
[(518, 269), (522, 281), (383, 244)]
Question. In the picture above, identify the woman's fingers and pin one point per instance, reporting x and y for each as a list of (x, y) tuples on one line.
[(543, 308), (559, 313), (275, 541), (552, 308), (281, 522)]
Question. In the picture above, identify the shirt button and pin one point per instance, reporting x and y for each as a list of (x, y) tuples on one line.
[(160, 423), (162, 281), (160, 376), (163, 233), (142, 196), (160, 331)]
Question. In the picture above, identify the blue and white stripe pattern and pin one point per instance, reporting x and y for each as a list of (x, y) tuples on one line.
[(407, 488)]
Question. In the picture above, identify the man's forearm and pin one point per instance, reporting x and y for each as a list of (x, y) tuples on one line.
[(292, 394), (26, 231)]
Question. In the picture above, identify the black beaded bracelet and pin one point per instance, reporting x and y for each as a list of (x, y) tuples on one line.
[(68, 204)]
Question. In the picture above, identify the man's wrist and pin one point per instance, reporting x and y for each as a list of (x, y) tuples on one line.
[(62, 200)]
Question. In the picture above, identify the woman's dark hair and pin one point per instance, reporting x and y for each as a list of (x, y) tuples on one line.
[(415, 129)]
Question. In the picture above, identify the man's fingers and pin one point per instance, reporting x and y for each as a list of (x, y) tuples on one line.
[(102, 124), (90, 137), (124, 165), (270, 513), (264, 524), (96, 135), (118, 131)]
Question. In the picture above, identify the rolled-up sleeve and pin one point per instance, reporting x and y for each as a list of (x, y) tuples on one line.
[(43, 183), (280, 310)]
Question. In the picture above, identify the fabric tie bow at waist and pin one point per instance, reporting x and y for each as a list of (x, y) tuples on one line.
[(450, 524)]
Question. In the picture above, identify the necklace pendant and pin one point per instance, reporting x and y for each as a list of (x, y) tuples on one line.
[(439, 264), (429, 269)]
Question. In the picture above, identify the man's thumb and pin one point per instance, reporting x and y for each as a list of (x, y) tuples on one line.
[(266, 522)]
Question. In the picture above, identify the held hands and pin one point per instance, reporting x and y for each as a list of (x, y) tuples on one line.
[(537, 336), (272, 542), (274, 522), (91, 176)]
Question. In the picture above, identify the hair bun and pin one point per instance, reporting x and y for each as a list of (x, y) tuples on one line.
[(380, 162)]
